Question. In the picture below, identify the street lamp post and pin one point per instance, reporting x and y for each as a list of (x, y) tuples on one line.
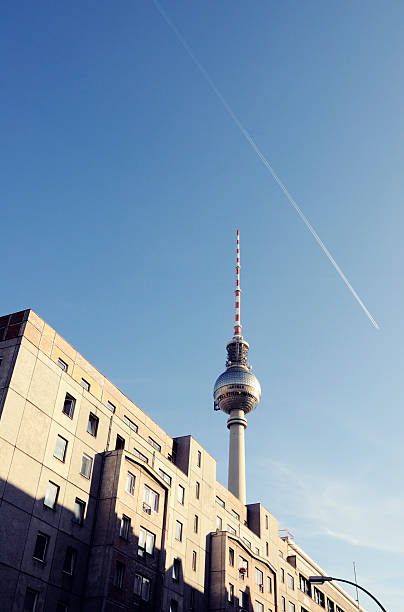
[(322, 579)]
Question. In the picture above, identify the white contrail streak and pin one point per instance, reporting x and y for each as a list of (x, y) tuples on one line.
[(264, 160)]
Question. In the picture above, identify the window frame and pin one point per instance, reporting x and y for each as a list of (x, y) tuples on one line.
[(125, 527), (65, 448), (72, 403), (90, 462), (131, 424), (41, 534), (79, 503), (85, 384), (57, 488), (35, 593), (143, 550), (181, 495), (119, 575), (130, 483), (151, 498), (92, 425), (70, 554), (178, 530), (62, 364)]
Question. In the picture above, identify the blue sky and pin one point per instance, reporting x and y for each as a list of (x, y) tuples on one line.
[(123, 182)]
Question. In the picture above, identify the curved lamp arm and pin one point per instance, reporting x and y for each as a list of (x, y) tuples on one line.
[(322, 579)]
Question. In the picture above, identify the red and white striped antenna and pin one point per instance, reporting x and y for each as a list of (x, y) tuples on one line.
[(237, 326)]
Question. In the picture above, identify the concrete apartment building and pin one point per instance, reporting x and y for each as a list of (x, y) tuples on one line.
[(101, 510)]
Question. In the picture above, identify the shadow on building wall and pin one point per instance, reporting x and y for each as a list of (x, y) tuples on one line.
[(49, 556)]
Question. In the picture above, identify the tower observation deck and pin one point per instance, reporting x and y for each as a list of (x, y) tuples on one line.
[(237, 392)]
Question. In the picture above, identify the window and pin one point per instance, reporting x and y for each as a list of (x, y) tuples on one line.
[(154, 444), (339, 609), (235, 514), (86, 466), (181, 494), (51, 495), (130, 423), (68, 406), (176, 570), (92, 426), (266, 522), (165, 476), (60, 448), (194, 560), (30, 600), (291, 582), (220, 502), (63, 365), (280, 554), (70, 561), (119, 575), (198, 458), (141, 456), (78, 511), (330, 605), (178, 531), (259, 607), (41, 546), (120, 442), (192, 598), (283, 604), (141, 587), (130, 483), (243, 567), (146, 542), (269, 584), (291, 607), (111, 406), (173, 605), (247, 542), (267, 549), (282, 575), (231, 530), (242, 599), (125, 526), (85, 384), (151, 499), (257, 550), (259, 579), (219, 523), (231, 557), (230, 594), (304, 585), (197, 490), (196, 523), (319, 597)]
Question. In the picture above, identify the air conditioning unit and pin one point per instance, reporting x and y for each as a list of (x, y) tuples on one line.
[(146, 508)]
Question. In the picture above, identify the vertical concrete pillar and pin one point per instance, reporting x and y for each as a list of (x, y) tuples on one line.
[(237, 424)]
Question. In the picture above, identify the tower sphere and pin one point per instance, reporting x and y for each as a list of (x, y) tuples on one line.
[(237, 388)]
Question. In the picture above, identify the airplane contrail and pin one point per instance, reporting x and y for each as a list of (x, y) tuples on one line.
[(264, 160)]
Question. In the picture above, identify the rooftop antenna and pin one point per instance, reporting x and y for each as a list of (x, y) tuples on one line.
[(356, 585)]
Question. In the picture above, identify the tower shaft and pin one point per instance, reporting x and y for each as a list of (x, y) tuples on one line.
[(237, 423)]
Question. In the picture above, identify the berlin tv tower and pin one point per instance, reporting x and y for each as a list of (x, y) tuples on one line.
[(237, 392)]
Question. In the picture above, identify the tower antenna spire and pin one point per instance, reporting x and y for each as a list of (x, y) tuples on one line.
[(237, 324)]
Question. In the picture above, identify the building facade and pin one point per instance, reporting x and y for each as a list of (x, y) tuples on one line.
[(101, 510)]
